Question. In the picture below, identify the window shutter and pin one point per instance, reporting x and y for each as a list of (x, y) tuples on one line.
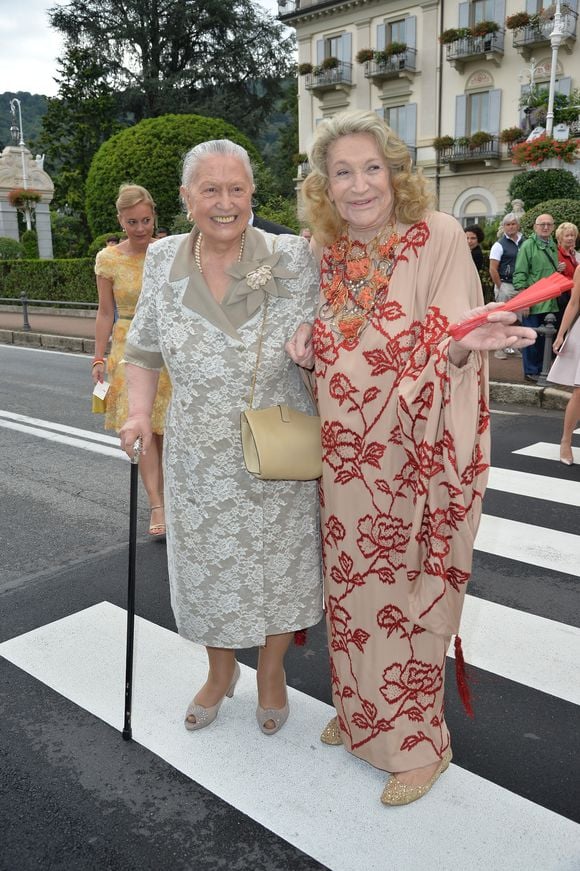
[(463, 15), (346, 48), (564, 86), (494, 111), (499, 13), (409, 132), (411, 31), (381, 36), (460, 115), (319, 51)]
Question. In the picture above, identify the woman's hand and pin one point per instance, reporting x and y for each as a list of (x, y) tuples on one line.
[(98, 372), (136, 426), (502, 330), (299, 347), (557, 343)]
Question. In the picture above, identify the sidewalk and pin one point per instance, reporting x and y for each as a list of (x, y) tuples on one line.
[(63, 331)]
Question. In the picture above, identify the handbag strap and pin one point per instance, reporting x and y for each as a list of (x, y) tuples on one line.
[(258, 353)]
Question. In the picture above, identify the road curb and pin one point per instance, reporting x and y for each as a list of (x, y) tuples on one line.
[(46, 340), (501, 392)]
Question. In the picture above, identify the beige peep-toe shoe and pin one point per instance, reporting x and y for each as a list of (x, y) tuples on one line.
[(205, 716)]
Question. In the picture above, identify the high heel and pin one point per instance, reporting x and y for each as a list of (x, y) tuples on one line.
[(277, 715), (566, 455), (205, 716), (397, 793), (156, 530), (331, 734)]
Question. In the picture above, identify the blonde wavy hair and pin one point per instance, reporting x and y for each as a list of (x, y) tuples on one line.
[(563, 228), (131, 195), (411, 196)]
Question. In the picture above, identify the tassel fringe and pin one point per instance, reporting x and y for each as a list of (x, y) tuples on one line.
[(462, 678), (300, 637)]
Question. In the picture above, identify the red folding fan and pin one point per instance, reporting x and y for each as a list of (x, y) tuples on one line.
[(545, 288)]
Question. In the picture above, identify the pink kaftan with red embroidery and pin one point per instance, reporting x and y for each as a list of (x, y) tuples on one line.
[(405, 439)]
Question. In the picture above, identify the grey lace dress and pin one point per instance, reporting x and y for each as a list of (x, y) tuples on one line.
[(243, 554)]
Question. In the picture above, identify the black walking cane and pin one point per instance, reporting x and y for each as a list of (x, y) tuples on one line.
[(127, 732)]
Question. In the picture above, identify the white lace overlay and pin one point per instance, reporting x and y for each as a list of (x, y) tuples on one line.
[(243, 554)]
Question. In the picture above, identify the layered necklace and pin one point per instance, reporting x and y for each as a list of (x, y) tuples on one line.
[(197, 250), (355, 280)]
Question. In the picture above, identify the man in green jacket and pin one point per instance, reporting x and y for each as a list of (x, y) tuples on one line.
[(537, 258)]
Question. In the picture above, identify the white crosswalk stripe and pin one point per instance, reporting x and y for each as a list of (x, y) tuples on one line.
[(334, 815)]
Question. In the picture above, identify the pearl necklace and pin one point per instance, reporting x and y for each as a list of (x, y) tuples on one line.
[(197, 250)]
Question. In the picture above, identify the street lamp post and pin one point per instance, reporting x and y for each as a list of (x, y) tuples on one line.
[(556, 37), (17, 130)]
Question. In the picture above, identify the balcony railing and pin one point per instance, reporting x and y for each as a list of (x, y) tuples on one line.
[(467, 154), (330, 79), (470, 47), (390, 68), (535, 34)]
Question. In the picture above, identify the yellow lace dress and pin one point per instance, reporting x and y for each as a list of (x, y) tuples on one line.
[(125, 271)]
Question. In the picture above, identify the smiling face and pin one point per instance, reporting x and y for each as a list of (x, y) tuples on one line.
[(138, 222), (219, 198), (568, 239), (359, 183)]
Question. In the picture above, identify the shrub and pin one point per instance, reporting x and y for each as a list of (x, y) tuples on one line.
[(483, 28), (151, 153), (100, 241), (535, 186), (10, 249), (329, 63), (519, 19), (441, 142), (29, 242), (560, 209), (68, 236), (71, 280), (281, 211), (511, 134), (364, 55), (479, 138), (395, 48)]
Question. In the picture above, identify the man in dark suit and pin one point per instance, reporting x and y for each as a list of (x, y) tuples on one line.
[(270, 226)]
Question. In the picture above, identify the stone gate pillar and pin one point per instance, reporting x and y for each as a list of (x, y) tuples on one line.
[(18, 169)]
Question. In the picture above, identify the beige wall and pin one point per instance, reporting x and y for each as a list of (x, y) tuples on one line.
[(459, 190)]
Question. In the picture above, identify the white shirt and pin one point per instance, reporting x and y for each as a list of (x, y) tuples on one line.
[(496, 252)]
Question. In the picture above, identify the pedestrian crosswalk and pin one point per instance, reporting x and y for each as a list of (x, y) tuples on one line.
[(319, 799)]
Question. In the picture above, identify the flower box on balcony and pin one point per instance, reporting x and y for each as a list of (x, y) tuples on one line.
[(481, 147), (537, 29), (391, 65), (544, 148), (471, 47), (330, 79)]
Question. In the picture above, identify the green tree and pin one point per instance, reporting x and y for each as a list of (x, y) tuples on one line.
[(151, 154), (203, 56), (538, 185), (77, 122), (560, 209)]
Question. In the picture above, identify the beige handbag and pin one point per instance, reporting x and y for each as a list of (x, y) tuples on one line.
[(280, 443)]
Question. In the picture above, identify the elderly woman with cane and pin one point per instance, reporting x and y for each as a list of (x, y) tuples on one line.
[(405, 442), (243, 554)]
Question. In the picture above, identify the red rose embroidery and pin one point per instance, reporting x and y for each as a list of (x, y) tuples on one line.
[(417, 681)]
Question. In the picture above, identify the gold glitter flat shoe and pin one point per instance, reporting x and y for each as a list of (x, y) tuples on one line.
[(397, 793), (331, 734)]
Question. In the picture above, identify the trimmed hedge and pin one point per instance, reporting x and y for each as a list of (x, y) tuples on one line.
[(537, 186), (151, 154), (10, 249), (561, 210), (68, 280)]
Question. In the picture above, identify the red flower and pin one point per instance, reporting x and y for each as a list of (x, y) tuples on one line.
[(417, 681), (336, 530), (325, 349), (384, 536), (415, 237), (339, 445), (392, 619)]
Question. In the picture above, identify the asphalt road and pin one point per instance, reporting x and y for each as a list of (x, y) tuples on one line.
[(74, 796)]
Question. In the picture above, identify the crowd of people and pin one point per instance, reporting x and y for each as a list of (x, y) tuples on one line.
[(359, 313)]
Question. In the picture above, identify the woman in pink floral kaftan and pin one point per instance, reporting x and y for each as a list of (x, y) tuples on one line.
[(405, 443)]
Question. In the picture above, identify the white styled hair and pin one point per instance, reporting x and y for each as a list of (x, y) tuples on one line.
[(211, 148)]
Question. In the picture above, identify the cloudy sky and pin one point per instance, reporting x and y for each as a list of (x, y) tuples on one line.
[(29, 47)]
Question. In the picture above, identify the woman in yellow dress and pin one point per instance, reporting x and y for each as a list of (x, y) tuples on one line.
[(119, 271)]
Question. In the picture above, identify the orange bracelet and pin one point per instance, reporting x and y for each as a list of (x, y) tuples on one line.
[(98, 361)]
